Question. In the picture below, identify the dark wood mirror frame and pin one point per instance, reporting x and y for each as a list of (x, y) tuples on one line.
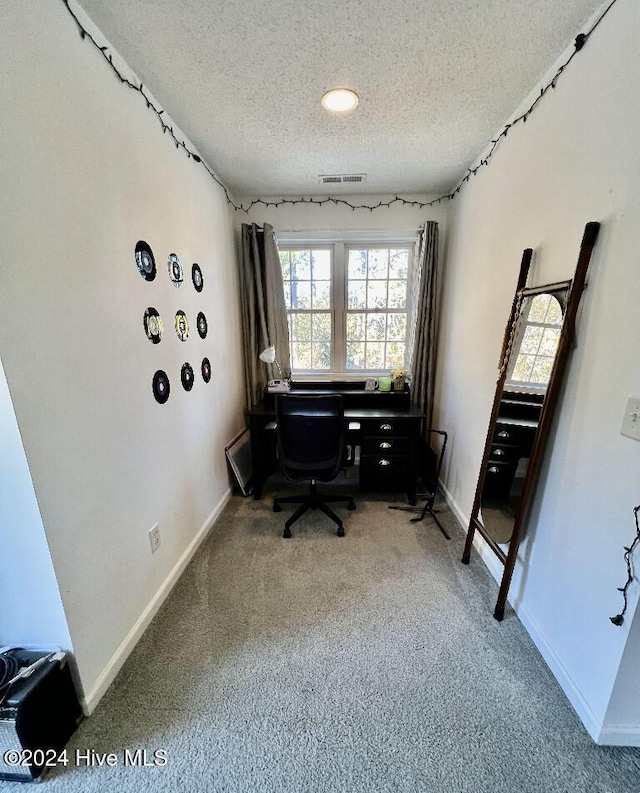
[(542, 424)]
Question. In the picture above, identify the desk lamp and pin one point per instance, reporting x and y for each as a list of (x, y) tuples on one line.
[(268, 355)]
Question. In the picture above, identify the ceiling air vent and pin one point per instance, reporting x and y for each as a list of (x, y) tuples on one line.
[(342, 178)]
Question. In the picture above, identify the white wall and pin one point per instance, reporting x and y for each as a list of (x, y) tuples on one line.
[(575, 160), (28, 581), (338, 217), (86, 173)]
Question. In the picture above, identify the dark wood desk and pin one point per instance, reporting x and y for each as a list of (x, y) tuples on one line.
[(384, 424)]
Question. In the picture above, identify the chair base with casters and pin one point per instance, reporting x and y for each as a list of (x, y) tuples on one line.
[(312, 500), (433, 464)]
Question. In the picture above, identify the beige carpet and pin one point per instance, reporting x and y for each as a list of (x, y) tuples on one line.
[(370, 663)]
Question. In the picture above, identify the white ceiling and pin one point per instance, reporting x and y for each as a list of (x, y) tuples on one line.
[(436, 80)]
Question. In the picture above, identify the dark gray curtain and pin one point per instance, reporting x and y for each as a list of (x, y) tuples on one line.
[(423, 364), (264, 313)]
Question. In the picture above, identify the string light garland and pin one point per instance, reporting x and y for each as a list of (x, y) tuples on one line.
[(580, 40), (180, 144), (628, 553)]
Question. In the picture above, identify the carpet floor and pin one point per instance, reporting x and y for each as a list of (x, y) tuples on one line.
[(369, 663)]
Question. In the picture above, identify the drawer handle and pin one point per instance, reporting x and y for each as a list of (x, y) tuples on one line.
[(386, 427), (499, 452), (384, 462), (503, 434), (493, 470), (385, 445)]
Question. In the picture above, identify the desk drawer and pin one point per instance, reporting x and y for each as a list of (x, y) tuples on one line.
[(384, 445), (383, 473), (503, 453), (375, 427), (498, 479), (514, 434)]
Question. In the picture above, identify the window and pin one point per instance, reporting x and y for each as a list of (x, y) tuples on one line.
[(306, 277), (348, 303), (539, 337)]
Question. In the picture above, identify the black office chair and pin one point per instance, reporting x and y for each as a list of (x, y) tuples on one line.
[(431, 465), (311, 447)]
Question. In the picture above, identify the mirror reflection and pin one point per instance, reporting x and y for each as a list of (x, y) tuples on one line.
[(533, 348)]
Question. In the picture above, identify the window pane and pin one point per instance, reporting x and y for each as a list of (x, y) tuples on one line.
[(538, 308), (376, 327), (321, 327), (301, 294), (321, 265), (321, 292), (355, 355), (531, 340), (554, 313), (549, 341), (287, 293), (284, 264), (398, 263), (395, 355), (522, 369), (320, 355), (357, 293), (357, 264), (378, 263), (301, 265), (376, 294), (355, 327), (301, 354), (542, 370), (375, 355), (397, 327), (397, 294), (301, 327)]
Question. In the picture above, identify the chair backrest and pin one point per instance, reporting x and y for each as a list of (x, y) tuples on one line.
[(311, 435)]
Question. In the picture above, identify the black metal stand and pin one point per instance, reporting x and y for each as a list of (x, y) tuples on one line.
[(426, 510), (434, 462)]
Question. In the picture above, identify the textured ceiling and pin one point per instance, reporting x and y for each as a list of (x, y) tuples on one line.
[(436, 80)]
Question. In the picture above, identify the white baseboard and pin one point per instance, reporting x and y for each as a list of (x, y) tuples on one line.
[(611, 735), (486, 554), (113, 666), (622, 735), (592, 724)]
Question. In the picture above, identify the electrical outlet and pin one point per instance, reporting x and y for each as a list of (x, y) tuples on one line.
[(631, 421), (154, 537)]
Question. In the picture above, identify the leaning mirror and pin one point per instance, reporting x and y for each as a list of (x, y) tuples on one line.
[(535, 351), (529, 363)]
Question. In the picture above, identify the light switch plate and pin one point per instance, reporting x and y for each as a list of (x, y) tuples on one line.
[(631, 422)]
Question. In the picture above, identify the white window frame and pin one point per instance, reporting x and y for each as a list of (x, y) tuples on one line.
[(339, 242)]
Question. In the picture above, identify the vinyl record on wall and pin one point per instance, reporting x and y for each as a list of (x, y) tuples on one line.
[(176, 273), (202, 325), (161, 387), (186, 375), (196, 277), (145, 262), (182, 325), (153, 325), (206, 370)]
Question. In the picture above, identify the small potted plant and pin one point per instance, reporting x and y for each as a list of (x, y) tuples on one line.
[(399, 377)]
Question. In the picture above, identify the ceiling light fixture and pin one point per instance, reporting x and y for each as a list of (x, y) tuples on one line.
[(340, 100)]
